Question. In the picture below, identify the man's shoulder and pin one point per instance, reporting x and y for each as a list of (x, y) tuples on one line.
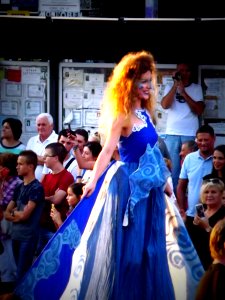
[(191, 158), (195, 87), (34, 137), (53, 136), (31, 141), (36, 184), (67, 173)]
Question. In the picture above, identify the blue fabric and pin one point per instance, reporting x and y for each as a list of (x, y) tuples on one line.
[(114, 245), (131, 148)]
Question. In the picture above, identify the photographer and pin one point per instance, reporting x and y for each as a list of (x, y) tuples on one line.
[(184, 102)]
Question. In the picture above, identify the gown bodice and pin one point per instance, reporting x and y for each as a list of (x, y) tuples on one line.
[(131, 148)]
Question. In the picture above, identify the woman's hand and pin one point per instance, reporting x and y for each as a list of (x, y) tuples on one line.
[(88, 189), (202, 222)]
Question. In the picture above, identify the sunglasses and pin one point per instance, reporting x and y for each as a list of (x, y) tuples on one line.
[(213, 180)]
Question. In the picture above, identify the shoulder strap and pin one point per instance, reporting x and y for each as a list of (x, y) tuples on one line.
[(69, 162)]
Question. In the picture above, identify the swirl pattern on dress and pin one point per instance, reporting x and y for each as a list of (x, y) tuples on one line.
[(49, 260), (151, 173)]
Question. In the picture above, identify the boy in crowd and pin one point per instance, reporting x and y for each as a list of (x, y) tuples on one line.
[(24, 211), (55, 188)]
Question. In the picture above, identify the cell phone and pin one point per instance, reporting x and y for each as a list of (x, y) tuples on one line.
[(200, 210)]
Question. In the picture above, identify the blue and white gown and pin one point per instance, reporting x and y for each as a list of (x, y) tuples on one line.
[(125, 241)]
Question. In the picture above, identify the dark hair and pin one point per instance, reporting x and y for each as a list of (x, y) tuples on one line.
[(30, 156), (77, 188), (94, 147), (192, 145), (63, 132), (57, 149), (206, 129), (15, 125), (220, 148), (9, 161), (82, 132)]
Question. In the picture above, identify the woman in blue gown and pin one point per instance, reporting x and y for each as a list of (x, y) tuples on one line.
[(125, 239)]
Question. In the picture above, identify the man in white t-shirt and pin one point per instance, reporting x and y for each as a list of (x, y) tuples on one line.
[(37, 143), (184, 102)]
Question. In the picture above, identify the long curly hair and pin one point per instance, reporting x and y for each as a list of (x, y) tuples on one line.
[(119, 93)]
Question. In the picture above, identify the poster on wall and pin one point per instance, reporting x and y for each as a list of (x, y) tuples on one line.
[(9, 108), (24, 92), (82, 87), (213, 83)]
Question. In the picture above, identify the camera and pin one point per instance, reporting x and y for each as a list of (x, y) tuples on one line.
[(177, 76), (200, 210)]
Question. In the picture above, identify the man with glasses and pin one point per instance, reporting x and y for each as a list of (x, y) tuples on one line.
[(195, 166), (55, 186)]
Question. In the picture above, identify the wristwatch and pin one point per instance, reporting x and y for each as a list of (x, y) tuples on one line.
[(75, 147)]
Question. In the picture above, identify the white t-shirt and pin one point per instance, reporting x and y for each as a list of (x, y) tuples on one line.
[(38, 147), (180, 119), (72, 167)]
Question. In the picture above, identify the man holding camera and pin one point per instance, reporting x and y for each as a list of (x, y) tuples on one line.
[(184, 102)]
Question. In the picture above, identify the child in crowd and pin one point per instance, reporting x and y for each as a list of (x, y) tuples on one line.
[(74, 193)]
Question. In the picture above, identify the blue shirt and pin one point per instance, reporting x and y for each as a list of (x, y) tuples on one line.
[(194, 168)]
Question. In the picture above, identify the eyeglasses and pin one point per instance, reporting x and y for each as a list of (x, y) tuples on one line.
[(213, 180)]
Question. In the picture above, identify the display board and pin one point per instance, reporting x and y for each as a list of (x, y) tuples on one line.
[(24, 93), (212, 78), (81, 90)]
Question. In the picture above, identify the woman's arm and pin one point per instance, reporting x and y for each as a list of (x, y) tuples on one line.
[(105, 155)]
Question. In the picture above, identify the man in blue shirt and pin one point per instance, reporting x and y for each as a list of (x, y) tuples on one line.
[(195, 166)]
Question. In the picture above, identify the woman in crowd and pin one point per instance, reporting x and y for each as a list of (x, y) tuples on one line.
[(118, 241), (211, 195), (10, 136), (211, 286), (86, 159), (218, 170)]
